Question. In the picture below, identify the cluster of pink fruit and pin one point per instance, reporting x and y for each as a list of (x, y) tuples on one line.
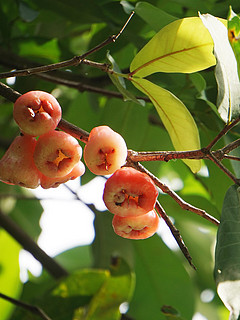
[(44, 156), (129, 194), (50, 160)]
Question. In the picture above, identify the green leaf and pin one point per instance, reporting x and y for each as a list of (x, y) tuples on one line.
[(161, 280), (84, 282), (182, 46), (228, 100), (27, 13), (227, 253), (10, 284), (119, 82), (107, 244), (234, 35), (60, 301), (154, 16), (117, 289), (176, 118)]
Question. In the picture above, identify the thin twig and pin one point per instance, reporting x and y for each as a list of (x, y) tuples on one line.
[(227, 128), (226, 156), (139, 156), (175, 232), (33, 309), (71, 62), (82, 87), (229, 147), (223, 168), (75, 131)]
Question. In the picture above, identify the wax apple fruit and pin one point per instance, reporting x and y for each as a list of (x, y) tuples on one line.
[(56, 154), (17, 165), (105, 151), (37, 112), (137, 227), (129, 192), (77, 171)]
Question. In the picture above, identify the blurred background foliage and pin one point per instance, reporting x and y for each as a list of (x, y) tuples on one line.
[(36, 32)]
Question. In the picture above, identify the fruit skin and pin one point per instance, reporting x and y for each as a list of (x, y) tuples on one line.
[(36, 113), (17, 165), (77, 171), (138, 227), (56, 154), (129, 192), (105, 151)]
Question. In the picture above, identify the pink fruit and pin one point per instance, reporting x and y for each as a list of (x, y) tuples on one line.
[(76, 172), (105, 151), (37, 112), (56, 154), (17, 165), (129, 192), (137, 227)]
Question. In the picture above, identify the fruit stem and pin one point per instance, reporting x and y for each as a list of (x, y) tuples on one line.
[(176, 234)]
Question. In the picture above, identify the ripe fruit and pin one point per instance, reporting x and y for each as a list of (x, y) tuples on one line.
[(138, 227), (129, 192), (105, 151), (56, 154), (17, 165), (37, 112), (77, 171)]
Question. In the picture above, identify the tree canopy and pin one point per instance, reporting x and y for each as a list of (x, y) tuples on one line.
[(157, 73)]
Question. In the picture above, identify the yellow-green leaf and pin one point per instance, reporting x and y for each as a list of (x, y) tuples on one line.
[(182, 46), (176, 118), (10, 284)]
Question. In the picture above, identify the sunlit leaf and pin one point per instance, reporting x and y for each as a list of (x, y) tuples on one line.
[(175, 117), (10, 284), (182, 46), (85, 282), (228, 100), (227, 254), (234, 35)]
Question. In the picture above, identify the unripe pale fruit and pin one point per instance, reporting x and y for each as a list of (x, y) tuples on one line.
[(36, 113), (129, 192), (17, 165), (105, 151), (76, 172), (138, 227), (56, 154)]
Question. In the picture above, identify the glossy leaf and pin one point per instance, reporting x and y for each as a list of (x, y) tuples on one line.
[(10, 284), (227, 253), (175, 117), (234, 35), (182, 46), (228, 100)]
